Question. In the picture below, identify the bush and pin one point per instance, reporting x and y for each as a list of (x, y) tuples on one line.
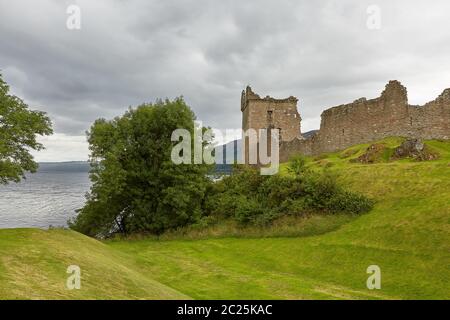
[(349, 202), (297, 166), (250, 198)]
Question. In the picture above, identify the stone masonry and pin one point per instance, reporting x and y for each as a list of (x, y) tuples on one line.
[(269, 113), (343, 126)]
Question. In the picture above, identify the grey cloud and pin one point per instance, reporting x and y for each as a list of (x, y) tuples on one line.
[(129, 52)]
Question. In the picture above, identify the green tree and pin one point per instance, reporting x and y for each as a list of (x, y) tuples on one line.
[(19, 128), (136, 186)]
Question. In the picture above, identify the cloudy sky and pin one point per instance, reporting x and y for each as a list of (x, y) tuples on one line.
[(127, 52)]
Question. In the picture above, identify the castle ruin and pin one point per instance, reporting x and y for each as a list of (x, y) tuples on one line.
[(342, 126)]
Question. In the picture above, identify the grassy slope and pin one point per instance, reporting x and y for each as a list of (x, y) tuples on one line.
[(33, 265), (407, 235)]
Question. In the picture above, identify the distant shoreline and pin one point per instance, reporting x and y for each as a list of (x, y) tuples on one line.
[(61, 162)]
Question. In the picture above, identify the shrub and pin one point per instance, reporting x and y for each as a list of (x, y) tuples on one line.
[(250, 198), (349, 202), (297, 166)]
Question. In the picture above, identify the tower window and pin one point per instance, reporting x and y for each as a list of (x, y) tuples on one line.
[(270, 115)]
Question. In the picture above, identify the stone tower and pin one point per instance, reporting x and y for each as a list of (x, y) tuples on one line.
[(270, 113)]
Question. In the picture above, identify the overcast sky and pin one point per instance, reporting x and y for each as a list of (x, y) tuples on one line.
[(129, 52)]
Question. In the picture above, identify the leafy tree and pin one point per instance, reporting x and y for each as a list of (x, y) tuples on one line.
[(19, 128), (136, 186)]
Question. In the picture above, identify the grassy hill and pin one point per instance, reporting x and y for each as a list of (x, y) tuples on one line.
[(407, 235), (33, 265)]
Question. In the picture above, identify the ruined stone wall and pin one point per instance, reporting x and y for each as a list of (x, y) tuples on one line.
[(269, 113), (266, 113), (359, 122), (431, 121), (298, 146), (389, 115), (365, 120)]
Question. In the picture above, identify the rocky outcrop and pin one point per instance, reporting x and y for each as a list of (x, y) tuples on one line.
[(415, 149)]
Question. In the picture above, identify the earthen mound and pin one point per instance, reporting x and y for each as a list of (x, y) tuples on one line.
[(374, 153)]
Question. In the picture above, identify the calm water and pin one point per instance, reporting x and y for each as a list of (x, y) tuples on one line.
[(46, 198)]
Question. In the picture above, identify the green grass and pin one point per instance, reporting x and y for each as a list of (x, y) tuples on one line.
[(407, 234), (286, 226), (33, 265)]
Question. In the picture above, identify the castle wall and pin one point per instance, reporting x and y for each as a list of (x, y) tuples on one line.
[(389, 115), (265, 113), (298, 146), (359, 122), (365, 120), (269, 113), (432, 121), (368, 120)]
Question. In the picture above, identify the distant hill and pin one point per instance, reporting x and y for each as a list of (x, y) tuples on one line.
[(309, 134), (71, 166)]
